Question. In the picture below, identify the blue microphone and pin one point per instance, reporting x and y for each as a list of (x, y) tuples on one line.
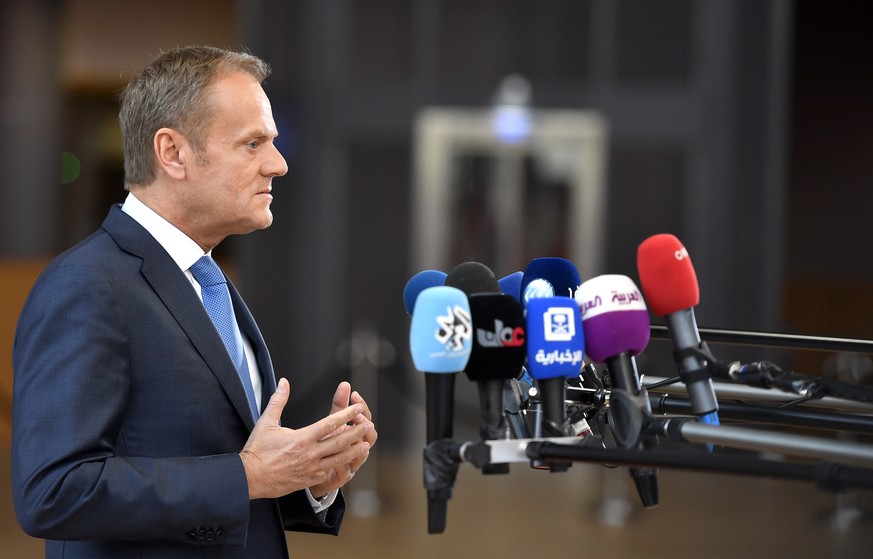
[(559, 273), (440, 340), (418, 283), (511, 285), (555, 352)]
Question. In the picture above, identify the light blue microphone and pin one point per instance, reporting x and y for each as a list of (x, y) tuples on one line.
[(440, 339)]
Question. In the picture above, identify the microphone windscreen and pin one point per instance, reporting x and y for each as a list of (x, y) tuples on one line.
[(559, 272), (614, 317), (555, 341), (511, 285), (418, 283), (498, 337), (441, 333), (473, 277), (667, 275)]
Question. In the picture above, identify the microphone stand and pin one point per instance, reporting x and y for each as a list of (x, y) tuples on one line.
[(770, 339), (689, 430), (732, 391), (827, 476), (663, 404)]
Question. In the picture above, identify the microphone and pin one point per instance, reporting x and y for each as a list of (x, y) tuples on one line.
[(440, 340), (497, 356), (511, 285), (484, 366), (670, 285), (418, 283), (555, 351), (616, 325), (549, 273), (547, 277), (473, 277)]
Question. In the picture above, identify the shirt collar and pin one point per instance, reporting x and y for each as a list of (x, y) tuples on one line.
[(181, 248)]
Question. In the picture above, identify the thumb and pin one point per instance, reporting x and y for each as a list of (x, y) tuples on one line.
[(273, 411)]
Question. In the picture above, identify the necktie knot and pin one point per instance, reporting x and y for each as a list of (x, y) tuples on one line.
[(207, 272)]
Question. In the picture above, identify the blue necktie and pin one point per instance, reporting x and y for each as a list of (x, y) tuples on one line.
[(216, 299)]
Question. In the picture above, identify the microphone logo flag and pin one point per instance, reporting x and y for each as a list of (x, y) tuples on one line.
[(454, 329), (558, 324), (501, 336), (555, 341)]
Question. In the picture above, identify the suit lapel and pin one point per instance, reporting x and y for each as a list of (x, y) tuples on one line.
[(174, 289)]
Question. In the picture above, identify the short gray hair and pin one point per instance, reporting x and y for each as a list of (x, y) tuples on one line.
[(169, 93)]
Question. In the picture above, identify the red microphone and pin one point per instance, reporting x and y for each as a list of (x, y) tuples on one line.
[(669, 286)]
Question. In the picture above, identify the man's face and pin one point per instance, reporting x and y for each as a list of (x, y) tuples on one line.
[(229, 185)]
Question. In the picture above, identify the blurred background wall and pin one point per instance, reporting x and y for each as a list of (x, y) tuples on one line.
[(743, 127)]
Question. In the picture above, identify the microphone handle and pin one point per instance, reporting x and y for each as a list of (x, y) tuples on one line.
[(553, 393), (623, 373), (625, 378), (683, 330), (440, 405), (493, 423)]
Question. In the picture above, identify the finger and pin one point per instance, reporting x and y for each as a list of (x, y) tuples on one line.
[(332, 422), (339, 444), (352, 456), (273, 412), (356, 398), (341, 397)]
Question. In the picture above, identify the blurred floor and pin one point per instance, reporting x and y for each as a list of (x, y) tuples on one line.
[(530, 513)]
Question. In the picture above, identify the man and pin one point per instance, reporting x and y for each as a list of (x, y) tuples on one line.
[(135, 429)]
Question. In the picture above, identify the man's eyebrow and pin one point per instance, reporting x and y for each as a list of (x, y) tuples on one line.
[(260, 134)]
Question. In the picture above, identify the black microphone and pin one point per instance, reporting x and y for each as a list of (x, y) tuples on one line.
[(497, 356), (474, 278)]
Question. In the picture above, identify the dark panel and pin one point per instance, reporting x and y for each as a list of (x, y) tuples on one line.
[(476, 41), (654, 40), (484, 40), (645, 197), (831, 170), (381, 35), (379, 267)]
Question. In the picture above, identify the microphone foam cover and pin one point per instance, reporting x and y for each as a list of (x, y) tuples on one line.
[(511, 284), (667, 275), (441, 333), (498, 337), (559, 272), (614, 317), (555, 341), (418, 283), (473, 277)]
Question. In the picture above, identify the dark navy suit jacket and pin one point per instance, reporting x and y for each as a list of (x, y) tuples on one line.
[(129, 416)]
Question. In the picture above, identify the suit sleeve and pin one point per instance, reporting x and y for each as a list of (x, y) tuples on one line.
[(72, 477)]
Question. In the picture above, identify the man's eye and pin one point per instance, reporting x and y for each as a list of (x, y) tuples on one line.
[(253, 144)]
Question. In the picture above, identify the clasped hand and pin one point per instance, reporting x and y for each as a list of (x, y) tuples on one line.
[(323, 456)]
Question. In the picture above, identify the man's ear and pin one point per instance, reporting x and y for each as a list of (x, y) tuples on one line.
[(171, 151)]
